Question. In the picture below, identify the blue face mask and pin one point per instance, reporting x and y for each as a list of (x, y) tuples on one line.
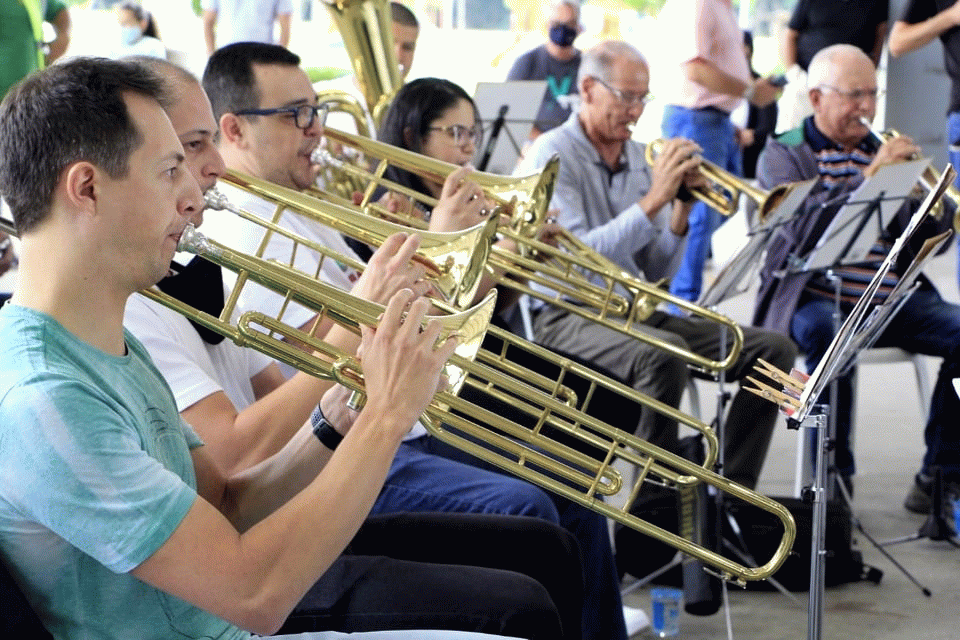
[(129, 35), (562, 35)]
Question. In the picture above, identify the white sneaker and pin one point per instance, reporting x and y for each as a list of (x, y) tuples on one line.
[(636, 620)]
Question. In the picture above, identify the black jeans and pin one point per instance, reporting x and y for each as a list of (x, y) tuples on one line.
[(505, 575)]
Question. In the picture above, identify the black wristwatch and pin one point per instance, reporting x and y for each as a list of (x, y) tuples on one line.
[(326, 434)]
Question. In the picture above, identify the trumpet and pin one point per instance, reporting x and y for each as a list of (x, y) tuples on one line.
[(572, 276), (928, 178), (724, 189)]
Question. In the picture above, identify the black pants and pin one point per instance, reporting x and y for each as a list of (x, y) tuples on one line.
[(503, 575)]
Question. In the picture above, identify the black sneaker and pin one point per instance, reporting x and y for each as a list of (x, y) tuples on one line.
[(920, 497)]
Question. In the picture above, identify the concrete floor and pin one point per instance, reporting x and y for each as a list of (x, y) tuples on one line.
[(889, 446)]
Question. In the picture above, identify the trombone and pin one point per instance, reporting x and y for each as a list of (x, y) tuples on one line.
[(928, 179), (572, 276), (353, 224), (526, 451), (724, 189), (517, 448)]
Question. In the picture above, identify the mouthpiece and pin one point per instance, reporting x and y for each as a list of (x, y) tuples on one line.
[(193, 241), (215, 200)]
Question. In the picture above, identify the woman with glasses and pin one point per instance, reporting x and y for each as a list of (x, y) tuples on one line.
[(437, 118)]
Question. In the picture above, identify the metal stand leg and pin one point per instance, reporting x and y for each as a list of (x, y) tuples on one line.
[(817, 550)]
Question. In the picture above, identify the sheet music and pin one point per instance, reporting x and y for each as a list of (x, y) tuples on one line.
[(730, 280), (849, 237)]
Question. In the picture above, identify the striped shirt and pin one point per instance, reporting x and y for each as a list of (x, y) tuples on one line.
[(835, 166)]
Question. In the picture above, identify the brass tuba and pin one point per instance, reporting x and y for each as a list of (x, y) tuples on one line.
[(572, 276), (365, 27), (724, 189)]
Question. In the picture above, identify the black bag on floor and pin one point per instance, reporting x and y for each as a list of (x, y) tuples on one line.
[(762, 531)]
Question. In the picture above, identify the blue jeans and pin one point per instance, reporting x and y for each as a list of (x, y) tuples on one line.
[(925, 324), (953, 151), (430, 475), (713, 131)]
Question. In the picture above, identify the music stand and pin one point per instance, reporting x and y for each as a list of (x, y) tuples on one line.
[(510, 109), (746, 258), (839, 352)]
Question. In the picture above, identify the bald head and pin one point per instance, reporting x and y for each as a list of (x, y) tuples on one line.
[(599, 61), (843, 92)]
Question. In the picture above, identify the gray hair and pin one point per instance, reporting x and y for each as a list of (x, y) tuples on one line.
[(822, 67), (598, 60), (573, 4)]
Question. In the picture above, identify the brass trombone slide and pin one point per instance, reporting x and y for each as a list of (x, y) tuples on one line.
[(504, 358), (517, 449), (521, 450), (572, 275)]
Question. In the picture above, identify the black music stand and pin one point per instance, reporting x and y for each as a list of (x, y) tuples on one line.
[(851, 334), (509, 109)]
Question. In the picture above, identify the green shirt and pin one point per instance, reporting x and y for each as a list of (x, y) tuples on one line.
[(18, 46)]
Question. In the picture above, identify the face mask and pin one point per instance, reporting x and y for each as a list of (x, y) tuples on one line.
[(129, 35), (562, 35)]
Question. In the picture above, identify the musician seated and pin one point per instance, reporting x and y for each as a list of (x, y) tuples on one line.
[(836, 147), (277, 147), (636, 216), (114, 520), (246, 411)]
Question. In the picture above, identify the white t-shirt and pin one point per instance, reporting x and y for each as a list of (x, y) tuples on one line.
[(145, 46), (245, 236), (194, 369), (247, 20)]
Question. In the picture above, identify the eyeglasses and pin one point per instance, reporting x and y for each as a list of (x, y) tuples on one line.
[(856, 95), (461, 134), (628, 98), (303, 115)]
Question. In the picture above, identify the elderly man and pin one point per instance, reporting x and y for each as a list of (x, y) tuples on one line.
[(120, 525), (637, 216), (252, 88), (835, 146), (555, 61), (708, 78)]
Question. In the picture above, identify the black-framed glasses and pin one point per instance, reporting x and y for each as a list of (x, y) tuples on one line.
[(628, 98), (461, 134), (856, 95), (303, 115)]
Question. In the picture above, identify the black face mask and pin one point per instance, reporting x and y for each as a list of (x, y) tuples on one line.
[(562, 35)]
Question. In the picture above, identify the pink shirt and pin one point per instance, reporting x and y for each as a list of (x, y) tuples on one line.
[(705, 29)]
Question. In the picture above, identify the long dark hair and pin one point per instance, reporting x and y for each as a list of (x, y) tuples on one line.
[(417, 105)]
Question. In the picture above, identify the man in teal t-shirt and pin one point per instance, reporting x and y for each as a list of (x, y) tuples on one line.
[(21, 40)]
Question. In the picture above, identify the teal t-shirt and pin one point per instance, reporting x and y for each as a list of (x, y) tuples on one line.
[(18, 48), (95, 475)]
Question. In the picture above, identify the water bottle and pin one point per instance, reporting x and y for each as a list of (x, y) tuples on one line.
[(665, 605)]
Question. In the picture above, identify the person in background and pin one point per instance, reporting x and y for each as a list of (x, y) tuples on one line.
[(707, 77), (246, 21), (138, 32), (816, 24), (555, 61), (922, 22), (760, 124), (22, 49)]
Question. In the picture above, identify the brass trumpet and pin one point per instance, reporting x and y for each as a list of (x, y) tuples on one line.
[(928, 178), (572, 276), (724, 189)]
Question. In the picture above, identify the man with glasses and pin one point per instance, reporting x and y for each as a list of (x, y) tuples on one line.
[(262, 100), (555, 61), (636, 215), (836, 147), (706, 77)]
